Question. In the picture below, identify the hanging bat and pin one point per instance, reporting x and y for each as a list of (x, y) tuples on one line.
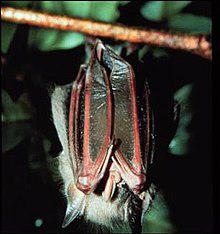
[(105, 126)]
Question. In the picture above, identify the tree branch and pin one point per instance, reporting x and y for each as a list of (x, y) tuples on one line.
[(194, 44)]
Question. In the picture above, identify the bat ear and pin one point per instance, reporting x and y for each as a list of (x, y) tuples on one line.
[(75, 207)]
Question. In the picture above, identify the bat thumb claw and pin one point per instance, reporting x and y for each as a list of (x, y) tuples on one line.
[(74, 208), (99, 49)]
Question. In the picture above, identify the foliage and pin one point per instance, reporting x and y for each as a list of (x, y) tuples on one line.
[(171, 11), (47, 39), (107, 11), (52, 56), (158, 10)]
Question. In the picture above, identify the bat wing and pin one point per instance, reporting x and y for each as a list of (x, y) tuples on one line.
[(104, 107), (130, 126), (104, 127), (90, 124)]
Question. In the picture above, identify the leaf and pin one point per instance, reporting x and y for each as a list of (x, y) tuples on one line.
[(153, 10), (180, 144), (159, 52), (49, 39), (15, 111), (105, 10), (18, 4), (158, 10), (157, 218), (174, 7), (143, 51), (191, 23), (97, 10), (7, 33), (124, 2), (46, 145), (13, 133)]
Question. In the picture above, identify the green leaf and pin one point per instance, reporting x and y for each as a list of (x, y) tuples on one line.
[(49, 39), (158, 10), (7, 33), (18, 4), (153, 10), (104, 11), (97, 10), (180, 144), (157, 218), (158, 52), (13, 133), (143, 51), (46, 145), (15, 111), (191, 23), (124, 2), (174, 7)]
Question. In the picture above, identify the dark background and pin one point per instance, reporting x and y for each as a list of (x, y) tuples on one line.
[(28, 191)]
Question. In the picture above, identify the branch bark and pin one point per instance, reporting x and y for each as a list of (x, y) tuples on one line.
[(194, 44)]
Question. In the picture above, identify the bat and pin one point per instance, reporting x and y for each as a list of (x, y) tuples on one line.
[(106, 128)]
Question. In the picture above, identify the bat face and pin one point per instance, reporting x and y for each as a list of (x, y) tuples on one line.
[(106, 133)]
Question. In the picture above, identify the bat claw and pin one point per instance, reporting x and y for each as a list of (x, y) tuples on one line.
[(75, 208), (134, 179), (113, 179), (88, 183), (99, 49)]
